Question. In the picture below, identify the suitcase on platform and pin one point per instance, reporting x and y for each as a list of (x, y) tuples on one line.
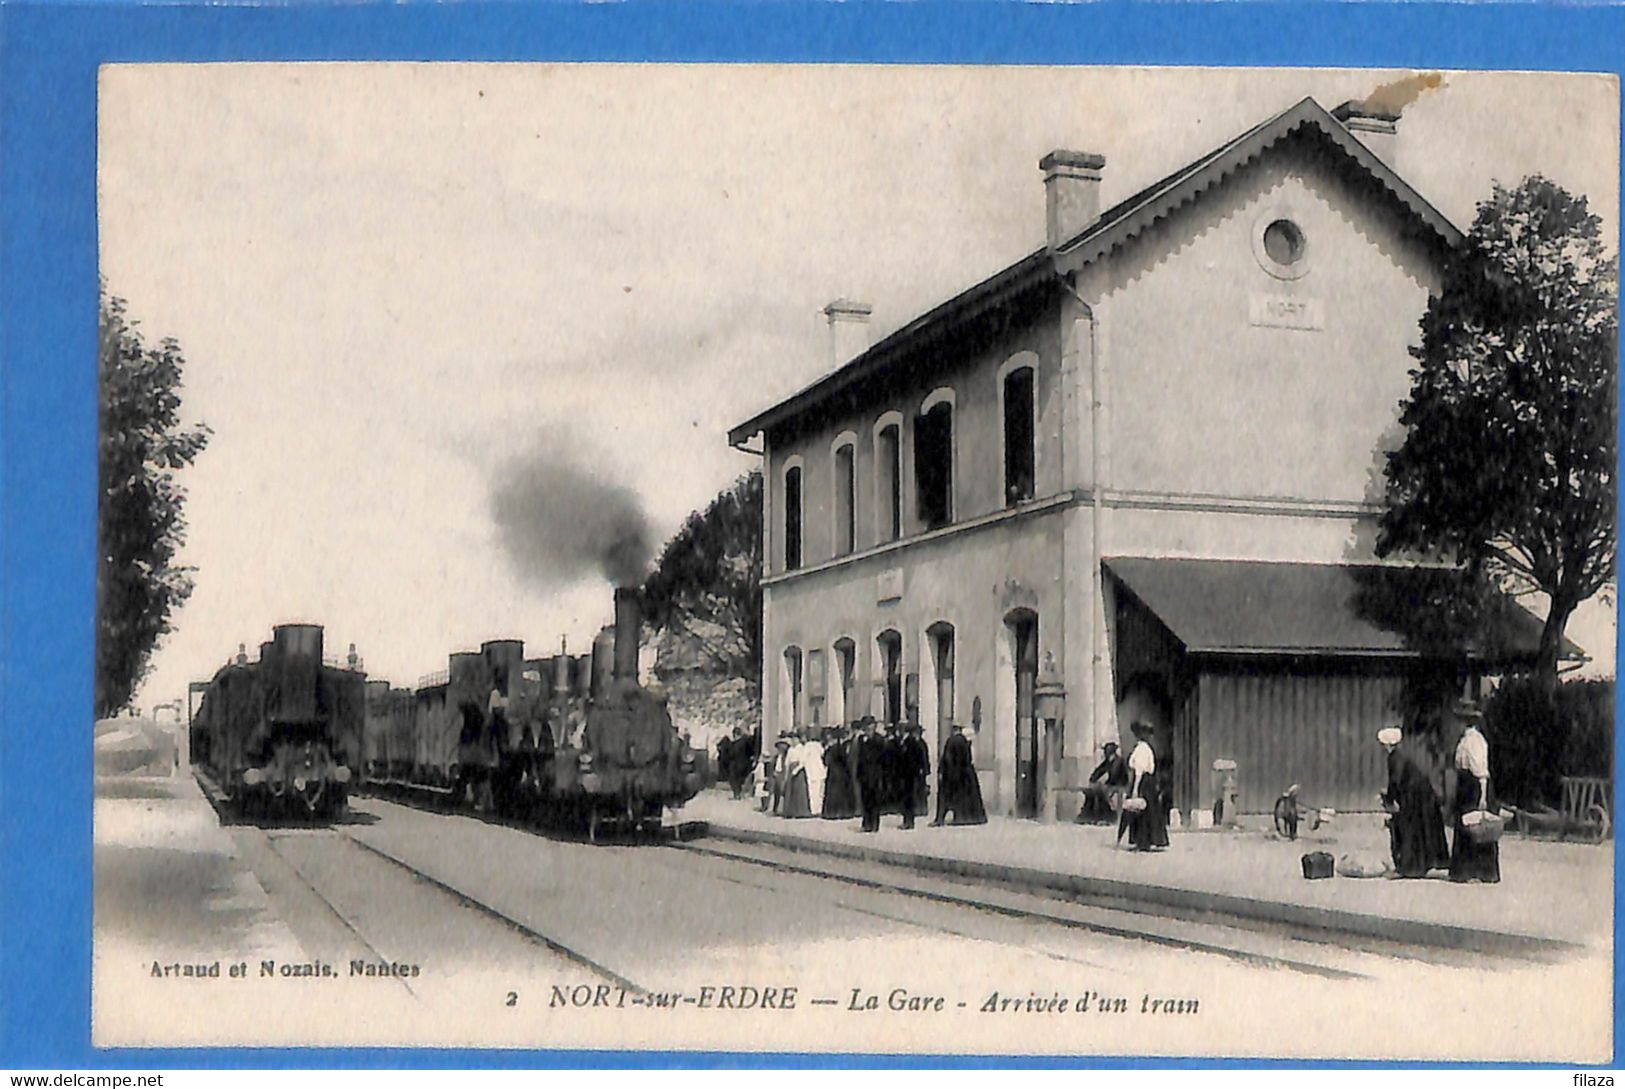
[(1317, 864)]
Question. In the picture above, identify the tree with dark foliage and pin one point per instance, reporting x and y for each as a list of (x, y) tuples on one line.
[(1508, 462), (708, 580), (140, 523)]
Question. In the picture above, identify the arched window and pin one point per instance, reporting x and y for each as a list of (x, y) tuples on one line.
[(846, 498), (934, 460), (846, 664), (792, 687), (889, 478), (792, 518), (890, 645), (817, 686), (1019, 475)]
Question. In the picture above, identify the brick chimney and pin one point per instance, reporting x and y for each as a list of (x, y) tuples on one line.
[(1373, 125), (1071, 193), (848, 330)]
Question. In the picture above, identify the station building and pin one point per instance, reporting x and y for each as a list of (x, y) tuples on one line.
[(1134, 475)]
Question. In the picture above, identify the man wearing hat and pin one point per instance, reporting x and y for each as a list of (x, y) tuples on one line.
[(1471, 860), (914, 763), (780, 771), (1112, 771), (868, 768)]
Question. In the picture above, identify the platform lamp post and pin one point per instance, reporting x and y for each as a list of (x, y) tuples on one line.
[(1049, 706)]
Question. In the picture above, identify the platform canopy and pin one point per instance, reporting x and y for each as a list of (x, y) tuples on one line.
[(1345, 610)]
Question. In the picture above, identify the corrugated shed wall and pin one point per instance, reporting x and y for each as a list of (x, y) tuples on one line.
[(1314, 727), (1188, 767)]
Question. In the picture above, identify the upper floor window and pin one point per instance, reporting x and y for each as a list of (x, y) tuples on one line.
[(792, 518), (889, 483), (934, 464), (846, 500), (1019, 436)]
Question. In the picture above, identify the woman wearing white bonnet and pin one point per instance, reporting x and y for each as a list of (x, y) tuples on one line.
[(1416, 826)]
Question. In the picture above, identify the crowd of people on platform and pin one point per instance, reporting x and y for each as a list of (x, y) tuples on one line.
[(1439, 775), (865, 769)]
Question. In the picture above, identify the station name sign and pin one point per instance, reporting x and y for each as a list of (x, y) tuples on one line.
[(1285, 311)]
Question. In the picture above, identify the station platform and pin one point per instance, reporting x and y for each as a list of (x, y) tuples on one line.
[(169, 883), (1553, 898)]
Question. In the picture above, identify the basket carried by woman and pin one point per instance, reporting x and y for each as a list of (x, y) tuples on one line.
[(1483, 827), (1476, 854), (1143, 818)]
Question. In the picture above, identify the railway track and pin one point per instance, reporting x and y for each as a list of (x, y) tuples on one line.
[(275, 844), (1048, 923), (526, 930), (971, 913)]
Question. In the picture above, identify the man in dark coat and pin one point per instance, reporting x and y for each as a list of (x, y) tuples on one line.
[(893, 775), (725, 760), (914, 773), (869, 768), (958, 790), (746, 749)]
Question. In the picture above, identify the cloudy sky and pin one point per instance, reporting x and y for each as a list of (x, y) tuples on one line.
[(403, 290)]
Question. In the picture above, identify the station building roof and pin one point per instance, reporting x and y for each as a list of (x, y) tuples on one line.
[(1261, 608), (1115, 227)]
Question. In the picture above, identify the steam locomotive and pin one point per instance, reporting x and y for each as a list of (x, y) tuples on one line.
[(281, 736), (561, 741)]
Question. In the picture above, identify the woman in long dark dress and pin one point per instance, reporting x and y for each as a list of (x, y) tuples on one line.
[(1469, 860), (840, 799), (1147, 828), (958, 790), (1416, 825)]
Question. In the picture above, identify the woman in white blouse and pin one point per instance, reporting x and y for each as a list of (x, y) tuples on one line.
[(1470, 861), (1147, 827)]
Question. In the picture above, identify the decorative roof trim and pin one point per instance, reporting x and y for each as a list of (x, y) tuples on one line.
[(1127, 219), (1116, 226)]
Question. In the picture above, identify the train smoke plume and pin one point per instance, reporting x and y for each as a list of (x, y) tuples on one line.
[(558, 520)]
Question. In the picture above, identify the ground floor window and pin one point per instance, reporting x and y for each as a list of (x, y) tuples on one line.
[(890, 644)]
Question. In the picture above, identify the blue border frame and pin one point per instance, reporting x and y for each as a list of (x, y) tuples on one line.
[(49, 53)]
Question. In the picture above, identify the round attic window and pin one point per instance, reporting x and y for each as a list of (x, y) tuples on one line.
[(1280, 246), (1283, 242)]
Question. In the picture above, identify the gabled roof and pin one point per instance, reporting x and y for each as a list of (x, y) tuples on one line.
[(1116, 226), (1129, 217)]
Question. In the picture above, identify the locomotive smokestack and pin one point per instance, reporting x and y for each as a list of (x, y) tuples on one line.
[(561, 671), (628, 628)]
